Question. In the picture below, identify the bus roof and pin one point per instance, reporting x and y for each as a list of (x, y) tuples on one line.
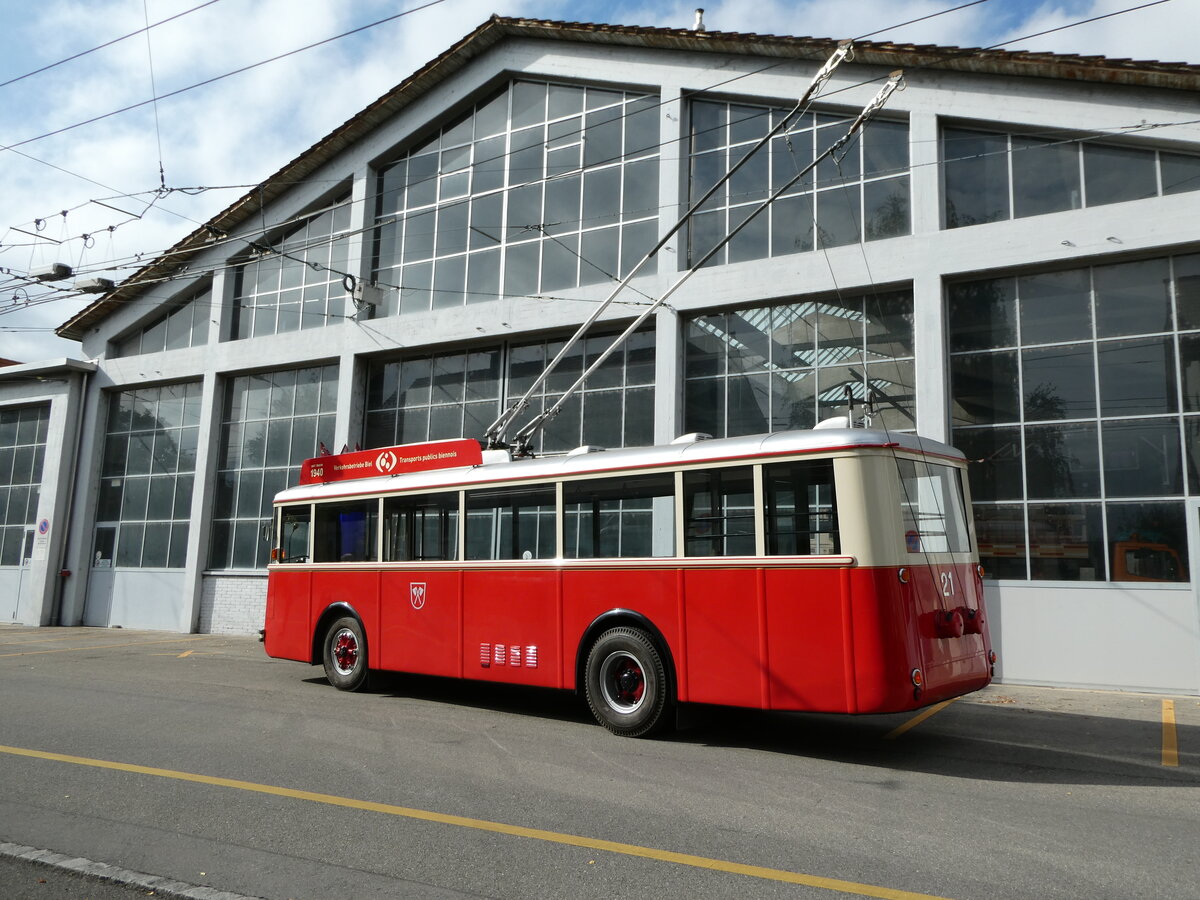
[(688, 450)]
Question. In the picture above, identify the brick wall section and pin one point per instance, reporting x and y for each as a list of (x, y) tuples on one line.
[(232, 604)]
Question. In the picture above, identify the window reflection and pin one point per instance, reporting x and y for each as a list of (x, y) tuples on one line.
[(1090, 434), (478, 211), (1045, 175), (809, 354), (863, 194)]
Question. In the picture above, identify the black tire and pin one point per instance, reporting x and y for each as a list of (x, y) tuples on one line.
[(626, 683), (344, 652)]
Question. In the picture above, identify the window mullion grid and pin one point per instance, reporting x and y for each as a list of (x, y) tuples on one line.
[(1021, 410), (1008, 158), (1178, 373), (1099, 419)]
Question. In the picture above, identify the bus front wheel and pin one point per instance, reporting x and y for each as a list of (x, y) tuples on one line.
[(345, 654), (626, 682)]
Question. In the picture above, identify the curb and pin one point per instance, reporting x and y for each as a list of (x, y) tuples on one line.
[(165, 887)]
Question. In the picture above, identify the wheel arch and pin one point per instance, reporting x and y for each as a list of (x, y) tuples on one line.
[(333, 612), (615, 618)]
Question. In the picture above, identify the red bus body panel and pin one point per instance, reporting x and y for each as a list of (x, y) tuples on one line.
[(823, 639)]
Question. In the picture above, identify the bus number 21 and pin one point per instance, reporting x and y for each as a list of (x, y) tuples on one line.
[(947, 584)]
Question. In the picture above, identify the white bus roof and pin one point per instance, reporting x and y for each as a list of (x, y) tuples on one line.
[(497, 467)]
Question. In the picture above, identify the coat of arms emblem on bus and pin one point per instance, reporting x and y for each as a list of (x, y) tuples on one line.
[(416, 594), (386, 461)]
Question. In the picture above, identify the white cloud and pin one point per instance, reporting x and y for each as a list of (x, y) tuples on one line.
[(239, 130)]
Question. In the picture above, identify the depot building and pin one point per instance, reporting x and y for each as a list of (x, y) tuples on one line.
[(1006, 258)]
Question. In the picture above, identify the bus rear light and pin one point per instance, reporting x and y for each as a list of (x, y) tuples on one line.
[(274, 554), (992, 657), (979, 569), (917, 678), (903, 575)]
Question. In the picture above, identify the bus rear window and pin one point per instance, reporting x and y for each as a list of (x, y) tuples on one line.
[(801, 514), (345, 532), (934, 513)]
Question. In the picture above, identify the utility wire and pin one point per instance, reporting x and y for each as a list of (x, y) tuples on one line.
[(216, 78), (770, 66), (106, 44)]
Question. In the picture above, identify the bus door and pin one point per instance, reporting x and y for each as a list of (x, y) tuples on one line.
[(421, 602), (724, 606), (511, 589)]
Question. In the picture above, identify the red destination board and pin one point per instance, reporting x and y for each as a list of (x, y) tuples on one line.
[(391, 461)]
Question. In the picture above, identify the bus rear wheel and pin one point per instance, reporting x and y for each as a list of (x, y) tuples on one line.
[(345, 654), (626, 682)]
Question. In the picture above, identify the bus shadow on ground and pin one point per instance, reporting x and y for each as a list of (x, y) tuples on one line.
[(966, 740)]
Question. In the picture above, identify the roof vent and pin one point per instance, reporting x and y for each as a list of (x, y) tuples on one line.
[(699, 24), (834, 422), (692, 437), (586, 449)]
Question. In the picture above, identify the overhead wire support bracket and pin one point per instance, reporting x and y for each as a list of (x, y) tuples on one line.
[(894, 81), (495, 435)]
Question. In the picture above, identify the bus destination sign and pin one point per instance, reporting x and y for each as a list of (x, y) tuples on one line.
[(391, 461)]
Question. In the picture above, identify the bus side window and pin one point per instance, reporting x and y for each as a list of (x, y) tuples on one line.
[(511, 523), (345, 532), (801, 508), (293, 535), (619, 517), (718, 509), (420, 528)]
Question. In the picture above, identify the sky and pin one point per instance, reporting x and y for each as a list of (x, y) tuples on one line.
[(228, 135)]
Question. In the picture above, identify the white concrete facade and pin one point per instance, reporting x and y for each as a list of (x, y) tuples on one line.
[(1138, 637)]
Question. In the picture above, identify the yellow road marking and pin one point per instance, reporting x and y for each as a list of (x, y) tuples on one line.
[(554, 837), (104, 646), (184, 653), (1170, 743), (917, 719)]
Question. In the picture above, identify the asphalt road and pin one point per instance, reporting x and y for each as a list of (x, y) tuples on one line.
[(196, 758)]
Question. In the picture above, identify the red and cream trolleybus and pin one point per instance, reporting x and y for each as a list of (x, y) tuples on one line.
[(831, 570)]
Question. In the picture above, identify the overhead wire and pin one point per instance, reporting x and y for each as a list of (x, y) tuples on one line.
[(966, 53), (216, 78), (717, 85)]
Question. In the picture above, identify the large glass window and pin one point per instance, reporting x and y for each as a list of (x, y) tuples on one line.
[(295, 280), (459, 394), (992, 176), (183, 325), (860, 193), (271, 423), (1073, 394), (146, 477), (22, 454), (774, 368), (539, 188)]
